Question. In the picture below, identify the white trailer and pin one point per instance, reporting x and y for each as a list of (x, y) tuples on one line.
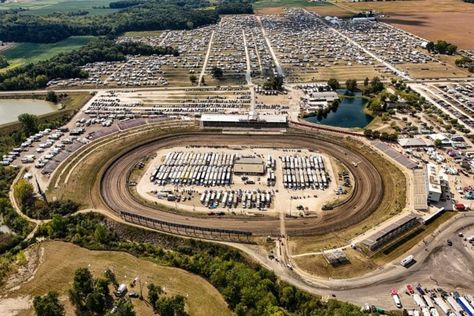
[(442, 305)]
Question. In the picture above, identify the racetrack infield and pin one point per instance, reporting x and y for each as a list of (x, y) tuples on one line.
[(368, 188)]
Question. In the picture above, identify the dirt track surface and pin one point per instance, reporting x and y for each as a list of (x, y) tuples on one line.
[(367, 195)]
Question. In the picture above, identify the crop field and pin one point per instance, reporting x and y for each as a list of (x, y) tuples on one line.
[(33, 52), (426, 19), (44, 7), (56, 274)]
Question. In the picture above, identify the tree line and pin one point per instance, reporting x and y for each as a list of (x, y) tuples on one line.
[(134, 15), (234, 7), (441, 47), (67, 65), (248, 288)]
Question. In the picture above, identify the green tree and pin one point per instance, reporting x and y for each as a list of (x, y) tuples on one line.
[(273, 83), (110, 276), (193, 79), (101, 235), (29, 123), (366, 82), (430, 46), (334, 84), (217, 72), (451, 49), (154, 293), (48, 305), (376, 85), (24, 194), (171, 306), (124, 308), (52, 97), (57, 227), (351, 85), (83, 285), (95, 301)]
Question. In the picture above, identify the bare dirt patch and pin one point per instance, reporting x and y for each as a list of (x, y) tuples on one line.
[(454, 27)]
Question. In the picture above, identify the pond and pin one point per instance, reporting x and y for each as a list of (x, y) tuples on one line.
[(11, 108), (349, 114)]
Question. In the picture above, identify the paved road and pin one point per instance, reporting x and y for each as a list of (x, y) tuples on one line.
[(438, 266), (368, 186), (204, 66), (267, 40)]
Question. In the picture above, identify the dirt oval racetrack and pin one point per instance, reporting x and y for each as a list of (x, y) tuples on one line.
[(367, 194)]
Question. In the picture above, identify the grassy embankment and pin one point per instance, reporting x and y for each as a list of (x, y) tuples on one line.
[(56, 274)]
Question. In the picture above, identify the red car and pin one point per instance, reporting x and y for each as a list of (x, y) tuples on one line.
[(410, 289), (393, 292)]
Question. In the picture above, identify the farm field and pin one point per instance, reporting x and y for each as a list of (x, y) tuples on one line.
[(44, 7), (23, 53), (426, 19), (278, 6), (56, 274)]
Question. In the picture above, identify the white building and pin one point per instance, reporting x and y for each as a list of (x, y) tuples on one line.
[(433, 185)]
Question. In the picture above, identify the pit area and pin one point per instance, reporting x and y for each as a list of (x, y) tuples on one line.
[(247, 180)]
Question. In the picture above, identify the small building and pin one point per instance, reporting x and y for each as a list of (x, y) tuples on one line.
[(443, 139), (335, 257), (249, 166), (411, 142)]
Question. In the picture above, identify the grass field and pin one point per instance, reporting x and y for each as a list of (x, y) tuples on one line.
[(23, 53), (360, 264), (56, 274), (317, 265), (44, 7)]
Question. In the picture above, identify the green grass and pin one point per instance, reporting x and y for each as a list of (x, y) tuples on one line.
[(44, 7), (286, 3), (33, 52)]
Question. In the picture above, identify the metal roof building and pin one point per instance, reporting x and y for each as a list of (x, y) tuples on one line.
[(249, 165), (383, 236), (251, 120)]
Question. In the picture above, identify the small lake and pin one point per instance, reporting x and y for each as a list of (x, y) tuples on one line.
[(349, 114), (11, 108)]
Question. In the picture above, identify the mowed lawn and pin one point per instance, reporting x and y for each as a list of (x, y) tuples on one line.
[(56, 274), (23, 53), (44, 7)]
